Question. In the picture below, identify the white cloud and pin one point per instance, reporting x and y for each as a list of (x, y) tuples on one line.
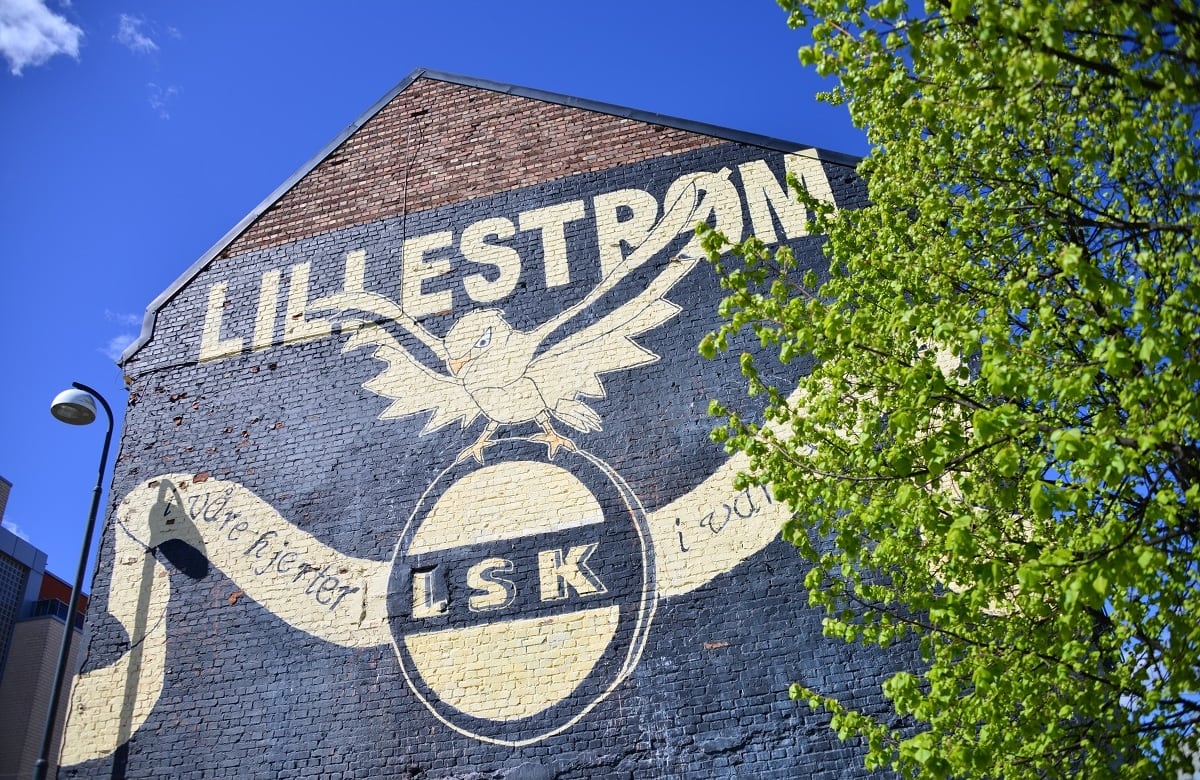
[(16, 529), (161, 97), (117, 345), (30, 34), (130, 35), (128, 320), (137, 35)]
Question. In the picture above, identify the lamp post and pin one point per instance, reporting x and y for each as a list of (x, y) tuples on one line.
[(75, 407)]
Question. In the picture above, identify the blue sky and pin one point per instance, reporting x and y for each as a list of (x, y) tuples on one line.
[(134, 134)]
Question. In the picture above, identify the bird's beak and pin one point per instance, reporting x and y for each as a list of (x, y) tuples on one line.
[(457, 365)]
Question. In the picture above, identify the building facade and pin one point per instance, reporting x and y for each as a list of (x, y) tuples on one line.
[(416, 480), (33, 616)]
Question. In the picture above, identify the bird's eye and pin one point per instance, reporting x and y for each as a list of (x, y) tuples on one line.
[(484, 340)]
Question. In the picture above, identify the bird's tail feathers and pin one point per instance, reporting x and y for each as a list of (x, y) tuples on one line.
[(578, 415)]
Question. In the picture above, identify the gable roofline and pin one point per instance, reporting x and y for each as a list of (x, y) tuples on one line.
[(648, 117)]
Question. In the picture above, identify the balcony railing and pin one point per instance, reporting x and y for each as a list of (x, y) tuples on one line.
[(55, 608)]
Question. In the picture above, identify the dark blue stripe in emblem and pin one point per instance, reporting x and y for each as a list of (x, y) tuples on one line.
[(530, 576)]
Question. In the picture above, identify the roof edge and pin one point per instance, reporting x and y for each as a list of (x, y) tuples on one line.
[(151, 315), (649, 117), (737, 136)]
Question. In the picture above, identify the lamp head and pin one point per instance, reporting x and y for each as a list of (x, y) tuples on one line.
[(74, 407)]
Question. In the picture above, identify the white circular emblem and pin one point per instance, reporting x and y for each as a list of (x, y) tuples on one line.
[(521, 591)]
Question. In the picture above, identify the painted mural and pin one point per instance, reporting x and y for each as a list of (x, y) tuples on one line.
[(497, 484)]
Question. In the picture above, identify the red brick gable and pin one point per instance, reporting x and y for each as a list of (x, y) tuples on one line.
[(437, 142)]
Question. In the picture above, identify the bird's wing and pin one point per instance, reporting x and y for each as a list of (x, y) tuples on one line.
[(412, 387), (357, 299), (573, 366)]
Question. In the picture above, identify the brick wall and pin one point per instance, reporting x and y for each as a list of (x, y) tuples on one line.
[(437, 140), (25, 691), (426, 480)]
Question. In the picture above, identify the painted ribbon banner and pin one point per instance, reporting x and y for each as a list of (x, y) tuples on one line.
[(318, 590), (305, 583)]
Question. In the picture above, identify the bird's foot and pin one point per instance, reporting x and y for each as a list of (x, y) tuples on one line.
[(482, 443), (474, 451), (554, 441)]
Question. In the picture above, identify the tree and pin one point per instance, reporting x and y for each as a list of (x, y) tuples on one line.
[(998, 453)]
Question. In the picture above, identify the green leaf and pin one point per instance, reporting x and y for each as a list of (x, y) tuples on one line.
[(1039, 501)]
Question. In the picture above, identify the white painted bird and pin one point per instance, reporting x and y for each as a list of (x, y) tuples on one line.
[(495, 370)]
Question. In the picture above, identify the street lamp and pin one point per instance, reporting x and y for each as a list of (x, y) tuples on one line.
[(76, 406)]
